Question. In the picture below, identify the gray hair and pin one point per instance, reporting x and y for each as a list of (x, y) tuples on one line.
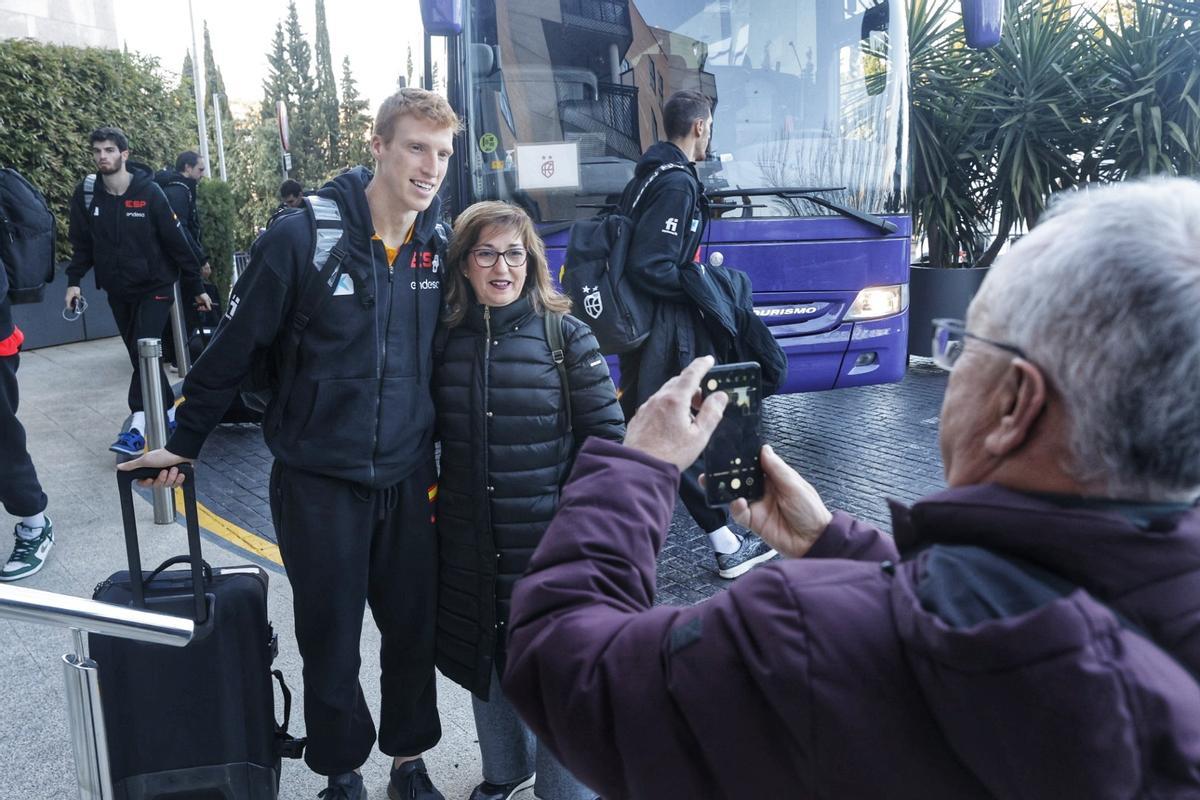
[(1104, 296)]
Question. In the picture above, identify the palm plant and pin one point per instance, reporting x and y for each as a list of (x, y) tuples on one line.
[(1149, 63), (1033, 112), (945, 207)]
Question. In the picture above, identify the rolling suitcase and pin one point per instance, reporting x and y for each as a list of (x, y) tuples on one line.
[(198, 722)]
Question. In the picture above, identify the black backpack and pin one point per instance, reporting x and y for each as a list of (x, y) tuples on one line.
[(26, 239), (594, 277), (273, 370)]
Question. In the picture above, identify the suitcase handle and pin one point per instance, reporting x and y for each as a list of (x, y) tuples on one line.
[(170, 562), (137, 582)]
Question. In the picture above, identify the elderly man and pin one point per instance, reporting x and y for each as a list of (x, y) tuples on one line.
[(1033, 631)]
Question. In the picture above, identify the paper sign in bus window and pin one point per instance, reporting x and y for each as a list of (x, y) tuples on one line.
[(548, 166)]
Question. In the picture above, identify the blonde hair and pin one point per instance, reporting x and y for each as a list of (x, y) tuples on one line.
[(469, 226), (418, 103)]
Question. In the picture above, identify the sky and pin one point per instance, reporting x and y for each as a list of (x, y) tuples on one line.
[(374, 34)]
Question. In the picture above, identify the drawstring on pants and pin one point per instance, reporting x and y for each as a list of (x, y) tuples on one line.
[(388, 497)]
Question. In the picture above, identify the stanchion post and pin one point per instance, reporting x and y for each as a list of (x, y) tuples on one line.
[(150, 367), (183, 356), (85, 719)]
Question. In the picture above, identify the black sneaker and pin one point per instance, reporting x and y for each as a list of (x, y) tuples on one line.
[(410, 781), (751, 552), (501, 791), (347, 786)]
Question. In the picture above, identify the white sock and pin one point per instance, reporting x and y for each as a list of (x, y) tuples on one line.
[(139, 421), (723, 540), (171, 414), (31, 527)]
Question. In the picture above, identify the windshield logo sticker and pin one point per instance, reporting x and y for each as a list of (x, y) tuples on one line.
[(488, 143), (592, 303), (548, 166), (671, 226)]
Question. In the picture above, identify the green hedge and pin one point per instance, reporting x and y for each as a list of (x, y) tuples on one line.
[(214, 199), (52, 97)]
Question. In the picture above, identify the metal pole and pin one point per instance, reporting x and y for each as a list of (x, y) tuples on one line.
[(179, 332), (198, 81), (85, 716), (220, 134), (85, 721), (150, 358)]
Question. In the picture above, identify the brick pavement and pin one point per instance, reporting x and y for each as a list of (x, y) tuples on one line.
[(856, 446)]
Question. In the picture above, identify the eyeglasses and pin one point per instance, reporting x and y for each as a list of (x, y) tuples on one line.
[(950, 339), (486, 257)]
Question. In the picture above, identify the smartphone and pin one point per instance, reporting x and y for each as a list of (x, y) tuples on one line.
[(731, 465)]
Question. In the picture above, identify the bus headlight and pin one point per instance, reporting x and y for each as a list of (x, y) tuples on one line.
[(878, 301)]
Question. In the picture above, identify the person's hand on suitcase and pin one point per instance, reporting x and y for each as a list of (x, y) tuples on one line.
[(161, 459)]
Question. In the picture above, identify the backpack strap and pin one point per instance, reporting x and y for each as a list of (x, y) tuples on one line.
[(89, 192), (646, 184), (318, 284), (558, 352)]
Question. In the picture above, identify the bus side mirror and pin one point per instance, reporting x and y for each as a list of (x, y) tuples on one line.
[(983, 21), (442, 17)]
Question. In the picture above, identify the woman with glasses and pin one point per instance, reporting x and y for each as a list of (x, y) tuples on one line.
[(509, 429)]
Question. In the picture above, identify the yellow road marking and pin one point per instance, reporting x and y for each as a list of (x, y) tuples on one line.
[(232, 533)]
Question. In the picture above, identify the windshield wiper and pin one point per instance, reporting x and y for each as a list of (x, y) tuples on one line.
[(810, 193)]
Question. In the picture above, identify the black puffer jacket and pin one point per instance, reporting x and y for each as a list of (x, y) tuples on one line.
[(505, 453)]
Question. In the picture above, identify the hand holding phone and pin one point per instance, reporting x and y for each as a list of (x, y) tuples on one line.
[(731, 459)]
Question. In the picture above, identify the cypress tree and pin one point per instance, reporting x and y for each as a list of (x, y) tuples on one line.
[(354, 121), (327, 98), (308, 157)]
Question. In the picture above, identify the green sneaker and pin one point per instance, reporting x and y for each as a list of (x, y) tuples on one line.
[(28, 555)]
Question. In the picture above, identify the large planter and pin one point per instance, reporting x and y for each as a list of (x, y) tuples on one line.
[(937, 292)]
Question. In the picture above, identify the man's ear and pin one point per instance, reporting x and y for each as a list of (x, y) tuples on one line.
[(1022, 396), (377, 146)]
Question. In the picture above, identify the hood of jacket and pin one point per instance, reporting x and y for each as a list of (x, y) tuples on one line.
[(140, 174), (1052, 642), (165, 177), (349, 190), (662, 153)]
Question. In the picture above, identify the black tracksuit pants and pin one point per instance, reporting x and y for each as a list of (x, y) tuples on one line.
[(345, 546), (20, 493), (143, 318)]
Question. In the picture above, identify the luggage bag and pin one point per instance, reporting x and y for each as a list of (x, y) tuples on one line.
[(197, 722)]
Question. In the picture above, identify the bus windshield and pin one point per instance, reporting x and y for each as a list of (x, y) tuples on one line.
[(566, 94)]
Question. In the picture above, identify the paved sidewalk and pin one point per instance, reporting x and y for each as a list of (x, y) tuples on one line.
[(72, 404)]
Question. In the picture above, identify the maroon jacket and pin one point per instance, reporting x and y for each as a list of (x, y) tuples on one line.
[(973, 668)]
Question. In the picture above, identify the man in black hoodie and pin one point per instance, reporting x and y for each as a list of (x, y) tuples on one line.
[(354, 481), (122, 224), (179, 185), (671, 218)]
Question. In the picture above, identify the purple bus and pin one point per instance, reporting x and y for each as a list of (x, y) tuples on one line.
[(807, 167)]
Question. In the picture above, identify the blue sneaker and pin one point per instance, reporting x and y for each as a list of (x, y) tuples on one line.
[(130, 443)]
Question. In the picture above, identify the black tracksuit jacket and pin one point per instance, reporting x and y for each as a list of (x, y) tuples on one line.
[(181, 194), (671, 218), (134, 241), (360, 408), (506, 451)]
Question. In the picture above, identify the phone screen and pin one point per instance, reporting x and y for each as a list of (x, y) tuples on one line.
[(731, 465)]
